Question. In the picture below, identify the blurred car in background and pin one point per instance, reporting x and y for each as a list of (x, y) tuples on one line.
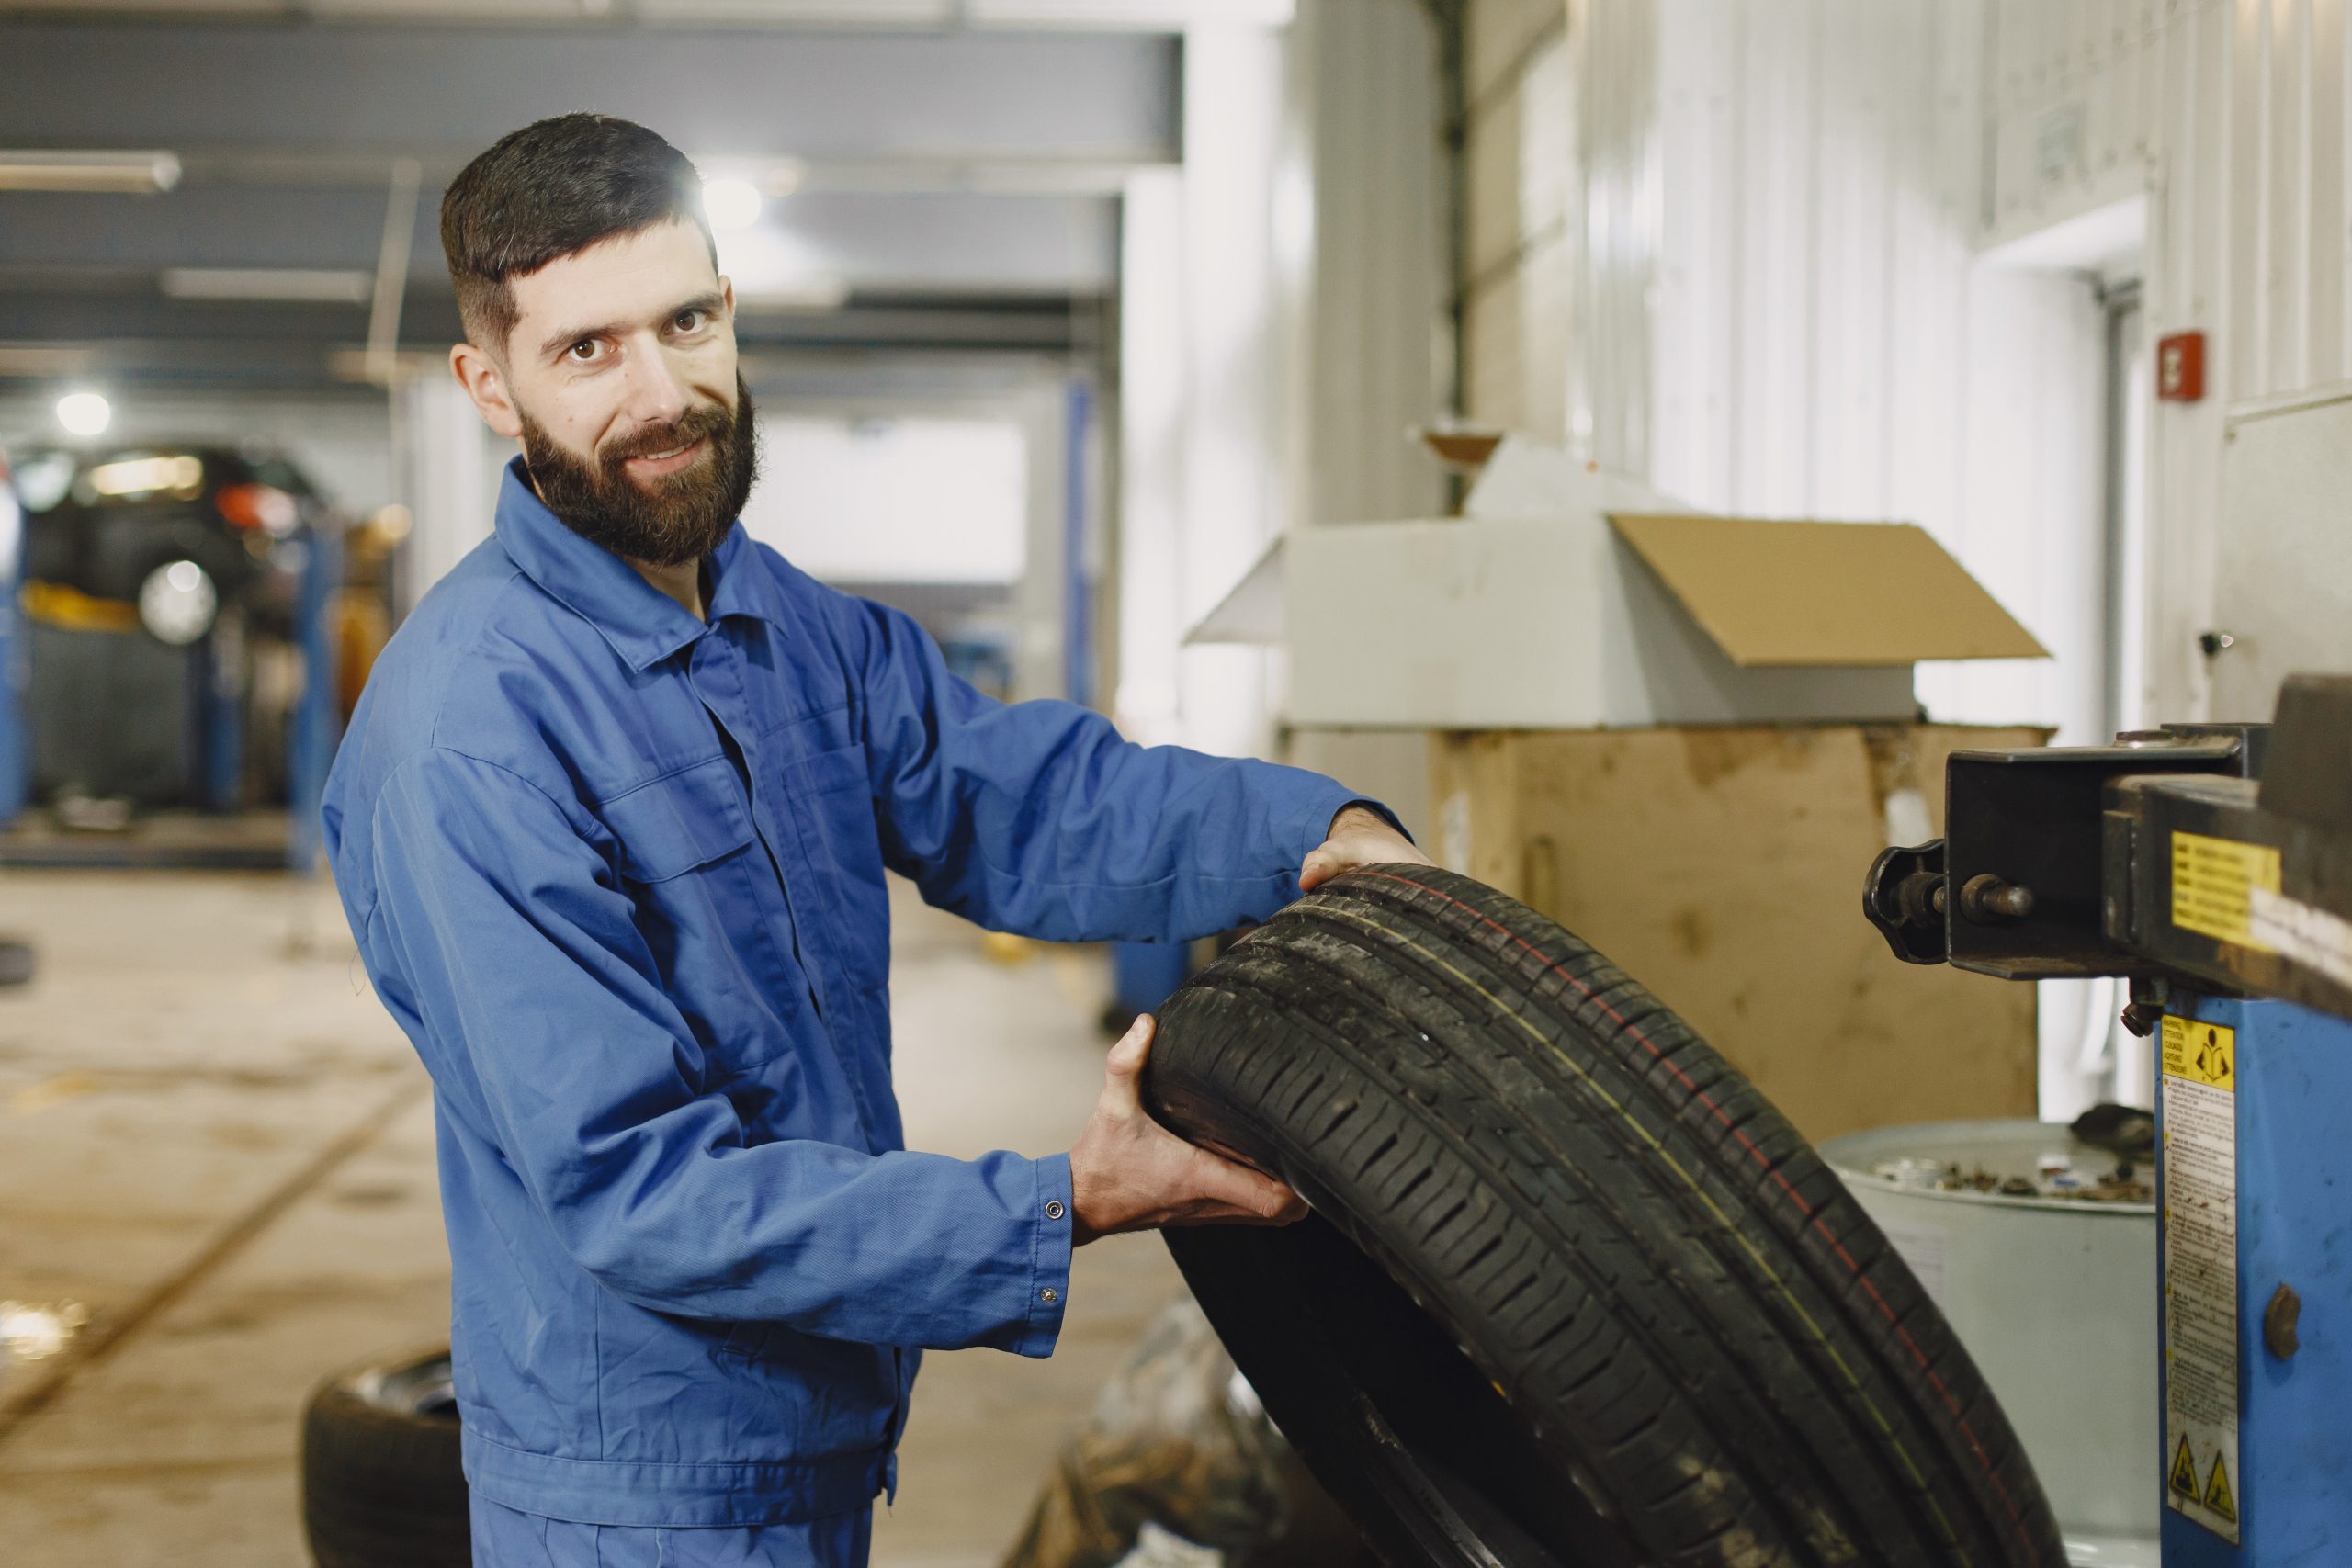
[(162, 589)]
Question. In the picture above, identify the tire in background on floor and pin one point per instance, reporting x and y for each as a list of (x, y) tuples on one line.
[(382, 1482), (1573, 1292)]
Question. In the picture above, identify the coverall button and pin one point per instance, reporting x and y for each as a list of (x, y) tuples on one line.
[(1054, 1210), (1049, 1295)]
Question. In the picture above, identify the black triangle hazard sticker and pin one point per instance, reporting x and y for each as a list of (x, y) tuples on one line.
[(2217, 1500), (2184, 1472)]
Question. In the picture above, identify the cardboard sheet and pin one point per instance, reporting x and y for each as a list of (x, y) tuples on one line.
[(1816, 593)]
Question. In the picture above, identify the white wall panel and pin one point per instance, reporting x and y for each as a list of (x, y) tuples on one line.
[(1620, 138), (2233, 115), (455, 468), (1151, 456), (1800, 284), (1823, 338), (1280, 325), (1524, 173), (1371, 264)]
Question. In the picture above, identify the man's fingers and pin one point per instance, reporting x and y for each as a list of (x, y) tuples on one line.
[(1123, 1070), (1244, 1191), (1320, 865), (1270, 1214), (1134, 1049)]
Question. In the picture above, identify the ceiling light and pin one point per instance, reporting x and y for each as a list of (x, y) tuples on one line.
[(40, 361), (133, 173), (299, 285), (775, 269), (731, 203), (817, 292), (1144, 14), (84, 413)]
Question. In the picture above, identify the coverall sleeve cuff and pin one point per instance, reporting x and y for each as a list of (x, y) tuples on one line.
[(1056, 1220), (1322, 807), (1379, 809)]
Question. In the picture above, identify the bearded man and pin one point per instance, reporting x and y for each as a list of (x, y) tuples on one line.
[(611, 828)]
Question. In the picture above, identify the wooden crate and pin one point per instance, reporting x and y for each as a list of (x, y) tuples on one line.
[(1723, 867)]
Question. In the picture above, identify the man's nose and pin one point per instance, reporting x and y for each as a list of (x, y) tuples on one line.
[(656, 393)]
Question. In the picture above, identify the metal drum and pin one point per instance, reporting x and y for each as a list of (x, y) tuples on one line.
[(2042, 1251)]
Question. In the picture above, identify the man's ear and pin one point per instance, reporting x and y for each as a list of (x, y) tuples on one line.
[(485, 383)]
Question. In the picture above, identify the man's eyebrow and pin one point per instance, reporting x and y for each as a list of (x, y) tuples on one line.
[(557, 341)]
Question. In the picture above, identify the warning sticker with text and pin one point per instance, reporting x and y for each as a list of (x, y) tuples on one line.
[(2213, 882), (2200, 1213)]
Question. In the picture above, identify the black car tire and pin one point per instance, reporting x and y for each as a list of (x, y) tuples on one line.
[(1574, 1293), (382, 1483)]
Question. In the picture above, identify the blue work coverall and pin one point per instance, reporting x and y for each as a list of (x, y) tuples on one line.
[(618, 873)]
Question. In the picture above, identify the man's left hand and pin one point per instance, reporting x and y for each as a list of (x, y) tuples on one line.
[(1360, 835)]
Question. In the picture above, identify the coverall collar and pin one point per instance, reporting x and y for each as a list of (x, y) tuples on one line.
[(644, 625)]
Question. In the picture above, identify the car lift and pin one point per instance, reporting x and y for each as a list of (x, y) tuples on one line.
[(2211, 866)]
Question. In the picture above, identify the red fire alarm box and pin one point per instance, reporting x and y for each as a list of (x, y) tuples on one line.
[(2181, 367)]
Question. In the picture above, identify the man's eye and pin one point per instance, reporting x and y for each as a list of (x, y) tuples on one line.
[(583, 351), (688, 321)]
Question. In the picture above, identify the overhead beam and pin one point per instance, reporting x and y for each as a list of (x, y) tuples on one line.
[(441, 92), (947, 241), (49, 339)]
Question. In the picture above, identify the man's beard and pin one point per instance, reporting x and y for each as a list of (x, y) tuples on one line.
[(671, 519)]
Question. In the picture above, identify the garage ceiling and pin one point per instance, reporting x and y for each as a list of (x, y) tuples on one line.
[(943, 173)]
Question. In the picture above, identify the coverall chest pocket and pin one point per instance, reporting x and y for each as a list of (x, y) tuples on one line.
[(679, 822), (687, 860)]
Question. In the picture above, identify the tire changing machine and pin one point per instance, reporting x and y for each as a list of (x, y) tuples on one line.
[(2211, 866)]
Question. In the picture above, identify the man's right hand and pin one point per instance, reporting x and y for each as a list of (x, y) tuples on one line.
[(1128, 1173)]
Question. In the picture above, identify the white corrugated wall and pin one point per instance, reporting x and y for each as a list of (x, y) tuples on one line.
[(1814, 256), (1282, 313), (1779, 284), (1815, 313), (2232, 116), (1795, 236), (1370, 195), (1790, 314), (1523, 178)]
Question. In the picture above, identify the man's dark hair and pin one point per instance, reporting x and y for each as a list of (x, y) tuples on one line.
[(547, 191)]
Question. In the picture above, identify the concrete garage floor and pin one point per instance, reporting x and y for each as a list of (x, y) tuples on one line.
[(216, 1144)]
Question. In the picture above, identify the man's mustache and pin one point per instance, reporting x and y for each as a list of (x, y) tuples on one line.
[(689, 427)]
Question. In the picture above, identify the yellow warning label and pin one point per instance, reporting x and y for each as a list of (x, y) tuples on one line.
[(2216, 1493), (2198, 1108), (2201, 1053), (2213, 886), (2184, 1472)]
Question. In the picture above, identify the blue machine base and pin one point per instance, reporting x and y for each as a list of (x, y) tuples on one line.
[(2293, 1491)]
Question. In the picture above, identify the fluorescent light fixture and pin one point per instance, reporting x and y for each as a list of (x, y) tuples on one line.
[(730, 202), (861, 13), (84, 413), (774, 270), (34, 359), (312, 286), (1145, 16), (130, 173), (770, 178), (814, 293), (376, 369)]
